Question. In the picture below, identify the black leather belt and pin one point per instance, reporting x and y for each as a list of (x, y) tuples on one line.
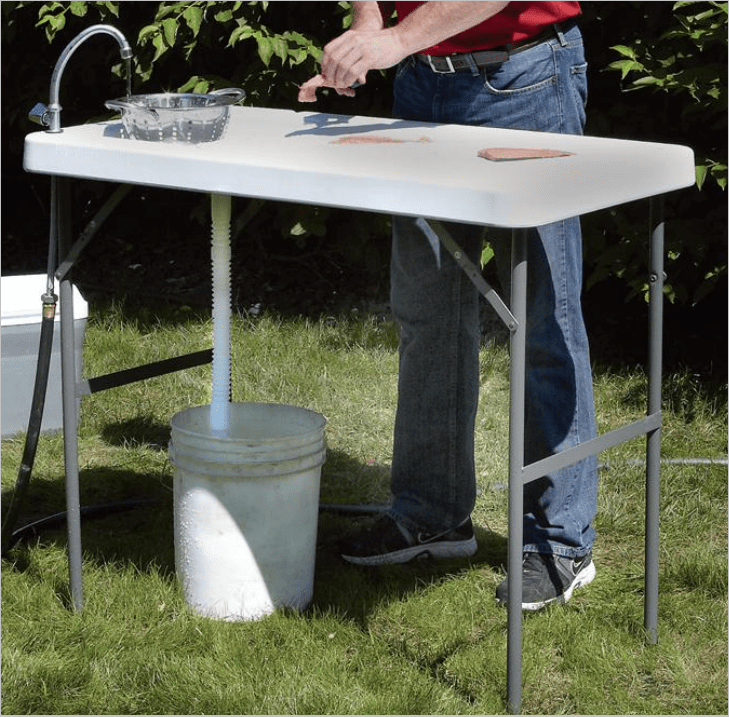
[(448, 64)]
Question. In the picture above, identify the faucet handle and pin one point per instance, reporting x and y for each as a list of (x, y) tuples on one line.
[(39, 115)]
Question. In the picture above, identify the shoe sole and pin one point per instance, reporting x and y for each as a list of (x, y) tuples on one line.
[(451, 549), (585, 576)]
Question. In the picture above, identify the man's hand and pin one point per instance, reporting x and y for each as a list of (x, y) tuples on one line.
[(366, 18), (348, 58)]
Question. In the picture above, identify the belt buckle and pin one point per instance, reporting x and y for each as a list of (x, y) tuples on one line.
[(451, 70)]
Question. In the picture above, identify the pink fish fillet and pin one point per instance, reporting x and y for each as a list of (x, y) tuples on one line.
[(498, 154), (307, 91)]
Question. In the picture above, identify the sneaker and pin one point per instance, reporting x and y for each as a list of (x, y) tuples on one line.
[(389, 542), (549, 578)]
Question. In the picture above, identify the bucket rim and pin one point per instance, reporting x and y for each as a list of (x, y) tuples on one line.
[(318, 420)]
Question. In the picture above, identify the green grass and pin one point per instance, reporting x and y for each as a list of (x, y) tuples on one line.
[(423, 638)]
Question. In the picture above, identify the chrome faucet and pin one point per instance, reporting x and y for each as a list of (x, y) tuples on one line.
[(50, 116)]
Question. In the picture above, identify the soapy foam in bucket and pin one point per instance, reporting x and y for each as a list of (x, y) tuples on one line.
[(246, 508)]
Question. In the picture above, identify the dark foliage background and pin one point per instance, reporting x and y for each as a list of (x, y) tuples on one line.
[(657, 73)]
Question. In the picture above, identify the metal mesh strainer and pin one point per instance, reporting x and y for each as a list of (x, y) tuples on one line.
[(176, 117)]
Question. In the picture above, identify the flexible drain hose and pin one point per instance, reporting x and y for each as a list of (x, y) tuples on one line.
[(45, 352), (34, 421), (88, 511)]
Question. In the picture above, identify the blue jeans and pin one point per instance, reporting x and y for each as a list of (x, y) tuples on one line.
[(433, 472)]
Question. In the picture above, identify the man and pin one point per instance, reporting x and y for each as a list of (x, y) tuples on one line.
[(512, 65)]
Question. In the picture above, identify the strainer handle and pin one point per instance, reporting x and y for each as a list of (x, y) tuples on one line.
[(122, 105), (230, 95), (118, 105)]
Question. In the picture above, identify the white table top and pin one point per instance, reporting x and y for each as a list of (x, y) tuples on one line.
[(435, 172)]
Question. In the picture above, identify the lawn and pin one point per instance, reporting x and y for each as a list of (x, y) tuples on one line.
[(425, 638)]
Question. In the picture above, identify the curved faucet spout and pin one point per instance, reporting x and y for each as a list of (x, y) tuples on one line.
[(53, 115)]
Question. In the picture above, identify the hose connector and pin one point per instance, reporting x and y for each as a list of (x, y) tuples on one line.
[(49, 300)]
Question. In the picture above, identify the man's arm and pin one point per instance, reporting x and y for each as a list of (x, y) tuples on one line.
[(367, 16), (371, 46)]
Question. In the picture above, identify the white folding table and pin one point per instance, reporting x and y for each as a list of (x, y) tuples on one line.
[(418, 169)]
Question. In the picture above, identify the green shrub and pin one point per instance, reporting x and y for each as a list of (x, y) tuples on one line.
[(661, 75), (657, 72)]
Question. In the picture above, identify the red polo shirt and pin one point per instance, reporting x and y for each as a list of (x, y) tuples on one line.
[(517, 21)]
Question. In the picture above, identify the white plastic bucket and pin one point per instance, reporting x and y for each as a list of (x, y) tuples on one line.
[(246, 508)]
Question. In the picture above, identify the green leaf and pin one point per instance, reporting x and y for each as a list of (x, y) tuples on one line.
[(146, 32), (166, 9), (626, 66), (297, 55), (265, 48), (196, 84), (169, 29), (624, 50), (487, 254), (57, 22), (719, 173), (193, 17), (160, 47), (701, 173), (78, 9), (280, 47), (112, 7), (656, 81), (298, 230), (243, 32), (224, 16), (296, 37)]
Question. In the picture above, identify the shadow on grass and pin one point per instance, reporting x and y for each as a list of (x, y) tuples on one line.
[(353, 592), (140, 431), (128, 521)]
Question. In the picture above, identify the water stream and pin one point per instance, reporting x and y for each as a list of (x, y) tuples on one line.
[(128, 65)]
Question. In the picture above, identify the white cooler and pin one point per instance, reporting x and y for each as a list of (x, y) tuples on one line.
[(22, 312)]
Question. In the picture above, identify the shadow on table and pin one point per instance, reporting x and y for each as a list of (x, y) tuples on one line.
[(337, 125)]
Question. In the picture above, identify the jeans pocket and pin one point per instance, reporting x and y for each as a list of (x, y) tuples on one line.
[(511, 90), (525, 72)]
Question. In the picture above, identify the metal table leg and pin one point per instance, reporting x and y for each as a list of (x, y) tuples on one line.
[(515, 320), (519, 474), (72, 387), (653, 437), (69, 399), (517, 388)]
